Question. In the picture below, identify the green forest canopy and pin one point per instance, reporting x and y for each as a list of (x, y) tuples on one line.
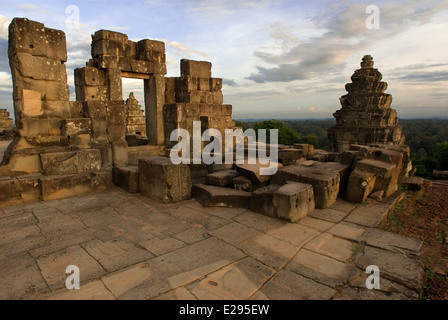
[(427, 138)]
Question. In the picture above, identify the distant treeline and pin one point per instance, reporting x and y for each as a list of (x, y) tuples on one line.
[(427, 138)]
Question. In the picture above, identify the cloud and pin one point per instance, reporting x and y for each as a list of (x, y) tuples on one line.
[(344, 34), (185, 50), (229, 82), (4, 24), (428, 76)]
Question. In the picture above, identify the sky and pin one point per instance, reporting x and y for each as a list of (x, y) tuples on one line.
[(278, 59)]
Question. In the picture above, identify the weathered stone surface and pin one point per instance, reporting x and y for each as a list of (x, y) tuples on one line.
[(253, 172), (70, 162), (342, 169), (443, 175), (164, 181), (413, 183), (64, 186), (331, 246), (213, 196), (243, 184), (72, 127), (360, 186), (393, 266), (290, 156), (221, 178), (386, 174), (308, 149), (261, 200), (202, 69), (325, 183), (294, 201), (126, 178), (365, 97)]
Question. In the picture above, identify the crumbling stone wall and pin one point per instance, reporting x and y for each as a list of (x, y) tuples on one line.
[(6, 123), (195, 96), (365, 116)]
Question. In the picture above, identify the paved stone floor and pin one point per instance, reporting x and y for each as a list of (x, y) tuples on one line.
[(130, 247)]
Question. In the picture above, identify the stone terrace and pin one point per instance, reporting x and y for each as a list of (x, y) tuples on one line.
[(128, 246)]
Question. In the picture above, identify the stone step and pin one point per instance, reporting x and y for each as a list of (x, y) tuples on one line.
[(126, 177), (138, 152), (213, 196), (70, 162), (254, 172), (325, 183), (222, 178), (292, 201)]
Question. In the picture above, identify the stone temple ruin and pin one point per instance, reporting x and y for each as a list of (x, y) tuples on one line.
[(65, 148), (366, 116)]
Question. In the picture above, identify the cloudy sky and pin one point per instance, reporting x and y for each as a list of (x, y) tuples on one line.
[(278, 59)]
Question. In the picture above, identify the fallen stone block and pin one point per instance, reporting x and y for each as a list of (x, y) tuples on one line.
[(348, 157), (413, 183), (442, 175), (243, 184), (321, 157), (126, 178), (9, 191), (377, 195), (386, 174), (221, 178), (253, 172), (213, 196), (360, 186), (294, 201), (261, 200), (325, 183), (290, 156), (164, 181), (308, 149), (70, 162), (342, 169)]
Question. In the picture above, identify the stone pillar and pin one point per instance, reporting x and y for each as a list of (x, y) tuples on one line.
[(154, 101)]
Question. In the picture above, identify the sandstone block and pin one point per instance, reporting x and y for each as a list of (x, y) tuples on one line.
[(202, 69), (325, 183), (33, 127), (40, 68), (413, 183), (213, 196), (308, 149), (221, 178), (294, 201), (76, 126), (164, 181), (253, 172), (31, 104), (119, 153), (243, 184), (261, 200), (290, 156), (360, 185), (386, 174), (126, 177), (70, 162)]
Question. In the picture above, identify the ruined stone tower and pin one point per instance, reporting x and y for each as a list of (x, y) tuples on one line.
[(135, 120), (365, 116), (6, 123)]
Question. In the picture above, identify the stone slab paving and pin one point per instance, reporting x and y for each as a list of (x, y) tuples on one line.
[(131, 247)]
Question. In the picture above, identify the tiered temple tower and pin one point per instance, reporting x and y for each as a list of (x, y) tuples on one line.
[(135, 120), (366, 116)]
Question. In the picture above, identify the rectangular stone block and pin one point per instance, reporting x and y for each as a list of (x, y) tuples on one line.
[(290, 156), (261, 200), (116, 132), (360, 186), (215, 84), (253, 172), (170, 90), (293, 201), (9, 192), (226, 110), (113, 80), (65, 186), (243, 184), (72, 127), (76, 109), (89, 76), (221, 178), (40, 68), (119, 153), (33, 127), (151, 50), (164, 181), (80, 140), (308, 149), (386, 174), (31, 104), (342, 169), (213, 196), (126, 177), (202, 69), (49, 90), (56, 109), (325, 183), (70, 162)]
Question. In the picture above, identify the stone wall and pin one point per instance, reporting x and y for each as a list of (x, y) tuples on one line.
[(195, 96), (365, 116), (6, 123)]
